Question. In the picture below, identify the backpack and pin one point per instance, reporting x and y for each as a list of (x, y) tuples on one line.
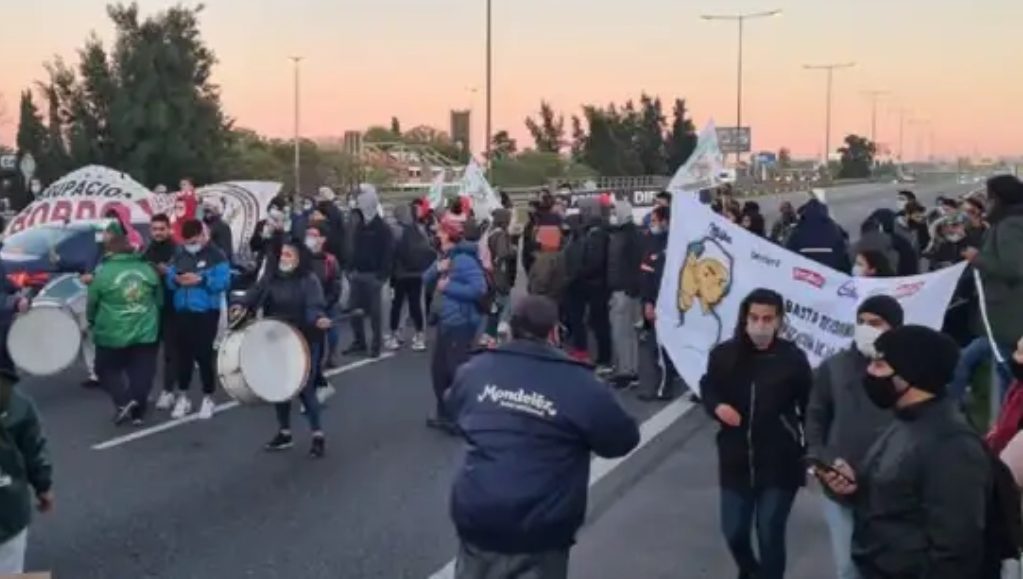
[(415, 249), (485, 305), (547, 276)]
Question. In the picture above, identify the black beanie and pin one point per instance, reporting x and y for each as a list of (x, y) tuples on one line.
[(1007, 189), (921, 356), (885, 307), (533, 317)]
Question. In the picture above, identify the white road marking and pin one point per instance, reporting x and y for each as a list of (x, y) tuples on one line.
[(163, 426), (601, 467)]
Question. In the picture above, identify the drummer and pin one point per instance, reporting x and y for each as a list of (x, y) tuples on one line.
[(291, 293)]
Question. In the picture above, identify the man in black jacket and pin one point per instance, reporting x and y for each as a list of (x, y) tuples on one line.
[(160, 254), (756, 388), (587, 293), (220, 232), (651, 270), (920, 496), (371, 263), (534, 417), (624, 256)]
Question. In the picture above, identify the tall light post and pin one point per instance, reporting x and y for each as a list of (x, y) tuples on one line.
[(740, 20), (298, 158), (830, 69), (874, 96), (490, 79), (902, 133)]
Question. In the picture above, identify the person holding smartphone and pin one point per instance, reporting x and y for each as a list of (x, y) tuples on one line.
[(920, 496), (842, 423)]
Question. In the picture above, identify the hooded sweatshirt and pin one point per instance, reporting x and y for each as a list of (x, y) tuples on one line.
[(625, 252), (502, 251), (586, 254), (413, 252), (819, 238), (373, 241)]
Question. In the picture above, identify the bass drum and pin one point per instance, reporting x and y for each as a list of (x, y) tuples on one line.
[(45, 340), (265, 361)]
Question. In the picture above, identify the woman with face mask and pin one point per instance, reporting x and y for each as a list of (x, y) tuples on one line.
[(841, 422), (872, 263), (292, 293), (756, 388)]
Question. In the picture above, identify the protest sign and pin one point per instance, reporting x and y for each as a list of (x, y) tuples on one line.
[(83, 195), (475, 186), (712, 264), (704, 168)]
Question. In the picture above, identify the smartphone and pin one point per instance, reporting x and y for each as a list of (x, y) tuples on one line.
[(823, 467)]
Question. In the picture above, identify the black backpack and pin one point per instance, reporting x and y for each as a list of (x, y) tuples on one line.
[(415, 249)]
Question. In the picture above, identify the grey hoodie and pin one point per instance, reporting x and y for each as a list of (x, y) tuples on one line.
[(368, 203), (841, 421)]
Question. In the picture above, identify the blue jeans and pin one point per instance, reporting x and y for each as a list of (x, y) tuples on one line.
[(769, 508), (334, 333), (307, 395), (973, 355), (840, 524)]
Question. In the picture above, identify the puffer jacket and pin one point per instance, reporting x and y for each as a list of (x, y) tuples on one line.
[(457, 305), (624, 253), (769, 389), (211, 264), (25, 467)]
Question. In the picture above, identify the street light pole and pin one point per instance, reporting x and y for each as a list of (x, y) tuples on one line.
[(874, 95), (298, 159), (740, 20), (490, 78), (830, 69)]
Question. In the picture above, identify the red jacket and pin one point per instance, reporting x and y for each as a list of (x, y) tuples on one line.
[(191, 210), (1009, 420)]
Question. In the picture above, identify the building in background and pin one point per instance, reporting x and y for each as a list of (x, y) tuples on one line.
[(461, 129)]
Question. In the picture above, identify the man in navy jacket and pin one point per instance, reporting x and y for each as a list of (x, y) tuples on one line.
[(532, 417)]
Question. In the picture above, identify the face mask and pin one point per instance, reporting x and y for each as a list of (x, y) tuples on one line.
[(100, 237), (209, 217), (760, 335), (36, 188), (955, 237), (881, 391), (193, 248), (859, 271), (613, 220), (307, 207), (656, 229), (286, 266), (865, 336), (276, 214), (901, 204), (313, 243)]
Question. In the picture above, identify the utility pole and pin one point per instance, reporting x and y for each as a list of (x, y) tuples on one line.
[(830, 70), (298, 158), (740, 20), (490, 80), (874, 95)]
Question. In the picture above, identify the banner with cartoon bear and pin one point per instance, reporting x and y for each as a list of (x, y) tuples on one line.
[(712, 264)]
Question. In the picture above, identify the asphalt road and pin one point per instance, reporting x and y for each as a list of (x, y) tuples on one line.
[(189, 499)]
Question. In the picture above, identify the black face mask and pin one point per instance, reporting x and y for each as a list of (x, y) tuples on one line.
[(881, 391), (1017, 369)]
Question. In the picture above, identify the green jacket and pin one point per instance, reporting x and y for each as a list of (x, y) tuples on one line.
[(1000, 263), (125, 298), (24, 461)]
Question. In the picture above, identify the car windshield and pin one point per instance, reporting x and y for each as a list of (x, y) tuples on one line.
[(39, 240)]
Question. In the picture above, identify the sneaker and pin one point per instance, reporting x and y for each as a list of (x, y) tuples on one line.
[(207, 408), (281, 441), (182, 407), (124, 413), (604, 371), (319, 447), (621, 382), (419, 342), (391, 343), (165, 401), (325, 393)]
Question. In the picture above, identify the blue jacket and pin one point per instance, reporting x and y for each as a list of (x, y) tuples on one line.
[(212, 265), (459, 301), (819, 238), (531, 417)]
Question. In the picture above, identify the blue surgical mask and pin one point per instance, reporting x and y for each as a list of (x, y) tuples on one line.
[(193, 248)]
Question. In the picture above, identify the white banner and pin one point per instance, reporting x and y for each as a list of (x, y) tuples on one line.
[(85, 195), (244, 204), (712, 264), (475, 186), (704, 169)]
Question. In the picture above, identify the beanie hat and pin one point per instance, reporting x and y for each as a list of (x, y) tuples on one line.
[(923, 357), (533, 316), (885, 307), (453, 227), (1006, 188)]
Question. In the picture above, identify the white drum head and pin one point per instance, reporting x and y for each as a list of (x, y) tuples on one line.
[(44, 341), (274, 360)]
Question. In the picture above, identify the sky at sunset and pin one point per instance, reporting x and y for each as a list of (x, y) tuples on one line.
[(955, 63)]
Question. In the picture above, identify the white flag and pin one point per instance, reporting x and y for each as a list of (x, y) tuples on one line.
[(436, 195), (475, 186), (704, 167)]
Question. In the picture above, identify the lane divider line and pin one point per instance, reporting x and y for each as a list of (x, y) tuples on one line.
[(601, 467), (220, 408)]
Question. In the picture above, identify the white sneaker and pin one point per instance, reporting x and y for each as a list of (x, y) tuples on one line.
[(207, 408), (182, 407), (165, 401), (325, 393), (419, 342), (391, 343)]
